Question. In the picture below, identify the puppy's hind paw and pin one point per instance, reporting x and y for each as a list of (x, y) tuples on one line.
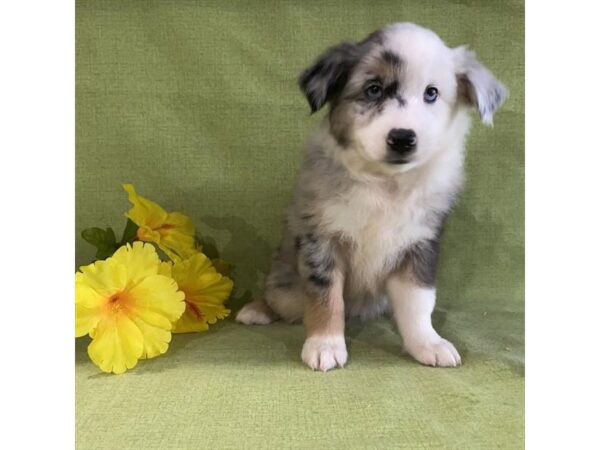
[(256, 313), (324, 352)]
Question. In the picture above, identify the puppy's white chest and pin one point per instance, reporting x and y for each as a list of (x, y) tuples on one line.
[(378, 226)]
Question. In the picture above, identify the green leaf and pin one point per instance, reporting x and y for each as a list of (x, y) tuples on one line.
[(209, 246), (105, 252), (223, 267), (110, 237), (129, 233), (103, 240), (95, 236)]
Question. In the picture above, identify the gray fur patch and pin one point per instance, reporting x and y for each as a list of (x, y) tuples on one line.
[(380, 66), (319, 280), (326, 78), (328, 75), (315, 260), (421, 260), (391, 58)]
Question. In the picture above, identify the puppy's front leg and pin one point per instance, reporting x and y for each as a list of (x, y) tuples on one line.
[(411, 292), (325, 346)]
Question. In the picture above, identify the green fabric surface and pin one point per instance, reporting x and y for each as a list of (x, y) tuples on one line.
[(196, 104)]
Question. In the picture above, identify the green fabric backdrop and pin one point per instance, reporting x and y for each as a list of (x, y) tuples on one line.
[(196, 104)]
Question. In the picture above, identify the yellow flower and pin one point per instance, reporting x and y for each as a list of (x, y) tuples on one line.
[(205, 292), (173, 232), (127, 304)]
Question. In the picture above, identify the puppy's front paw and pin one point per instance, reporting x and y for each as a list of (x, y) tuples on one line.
[(324, 352), (436, 353)]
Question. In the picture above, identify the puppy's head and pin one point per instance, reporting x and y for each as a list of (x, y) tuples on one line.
[(397, 96)]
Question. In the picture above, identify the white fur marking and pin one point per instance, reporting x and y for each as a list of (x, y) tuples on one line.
[(412, 306), (324, 352), (249, 315)]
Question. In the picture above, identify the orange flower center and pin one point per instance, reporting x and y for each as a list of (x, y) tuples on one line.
[(118, 302)]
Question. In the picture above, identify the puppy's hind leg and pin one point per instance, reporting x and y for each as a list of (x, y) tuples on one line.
[(283, 298), (283, 292)]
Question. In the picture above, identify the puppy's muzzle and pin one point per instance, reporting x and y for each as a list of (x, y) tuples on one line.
[(401, 143)]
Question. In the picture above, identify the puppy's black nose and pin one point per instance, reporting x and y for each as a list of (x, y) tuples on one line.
[(401, 140)]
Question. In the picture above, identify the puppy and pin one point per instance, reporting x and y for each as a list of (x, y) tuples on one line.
[(379, 177)]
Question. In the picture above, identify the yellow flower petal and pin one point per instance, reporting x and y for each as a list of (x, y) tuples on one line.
[(117, 345), (88, 308), (188, 272), (181, 222), (205, 292), (190, 322), (156, 339), (212, 312), (157, 301), (176, 245), (145, 233), (211, 297), (144, 211), (165, 268), (172, 232), (105, 277), (139, 259)]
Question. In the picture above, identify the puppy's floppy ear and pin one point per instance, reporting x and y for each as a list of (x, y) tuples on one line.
[(328, 75), (477, 86)]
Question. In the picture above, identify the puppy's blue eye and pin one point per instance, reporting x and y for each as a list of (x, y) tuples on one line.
[(430, 95), (373, 91)]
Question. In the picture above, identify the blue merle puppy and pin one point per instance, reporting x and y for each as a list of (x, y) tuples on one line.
[(380, 175)]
